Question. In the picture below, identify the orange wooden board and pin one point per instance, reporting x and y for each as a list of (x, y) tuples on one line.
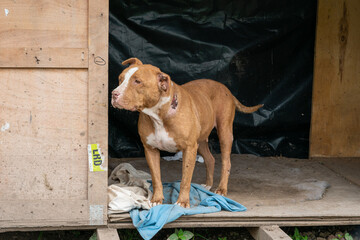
[(335, 123)]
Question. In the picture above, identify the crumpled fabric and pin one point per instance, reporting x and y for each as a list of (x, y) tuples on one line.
[(128, 189), (149, 222), (179, 156)]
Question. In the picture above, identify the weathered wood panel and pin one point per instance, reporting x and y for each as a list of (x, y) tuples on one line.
[(45, 23), (42, 213), (43, 139), (53, 104), (335, 124), (43, 57)]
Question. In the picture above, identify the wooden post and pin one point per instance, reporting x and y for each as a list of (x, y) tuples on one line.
[(107, 234), (273, 232), (335, 128), (98, 105)]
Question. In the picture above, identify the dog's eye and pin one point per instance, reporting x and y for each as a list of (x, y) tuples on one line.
[(137, 81)]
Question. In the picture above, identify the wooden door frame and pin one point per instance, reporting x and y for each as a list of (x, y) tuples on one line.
[(98, 32)]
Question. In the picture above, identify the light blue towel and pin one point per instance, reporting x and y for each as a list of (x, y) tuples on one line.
[(149, 222)]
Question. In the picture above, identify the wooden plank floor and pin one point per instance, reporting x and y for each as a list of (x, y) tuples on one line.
[(346, 167), (273, 191)]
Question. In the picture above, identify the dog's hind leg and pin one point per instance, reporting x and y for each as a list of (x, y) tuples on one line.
[(224, 123), (209, 159)]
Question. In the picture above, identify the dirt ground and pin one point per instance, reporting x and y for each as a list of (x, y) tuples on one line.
[(132, 234), (326, 233), (47, 235), (199, 233), (313, 233)]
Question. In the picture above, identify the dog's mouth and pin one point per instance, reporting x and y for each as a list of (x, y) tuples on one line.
[(117, 105), (133, 109)]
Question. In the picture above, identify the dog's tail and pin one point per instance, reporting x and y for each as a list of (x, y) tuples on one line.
[(242, 108)]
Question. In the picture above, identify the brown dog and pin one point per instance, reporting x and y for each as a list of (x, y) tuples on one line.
[(179, 118)]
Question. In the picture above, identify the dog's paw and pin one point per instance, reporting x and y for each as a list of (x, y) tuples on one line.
[(206, 187), (221, 191), (185, 204), (153, 204), (156, 201)]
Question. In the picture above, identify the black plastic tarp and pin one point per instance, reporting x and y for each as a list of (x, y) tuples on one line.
[(261, 50)]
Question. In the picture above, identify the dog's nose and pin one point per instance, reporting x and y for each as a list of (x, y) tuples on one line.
[(115, 94)]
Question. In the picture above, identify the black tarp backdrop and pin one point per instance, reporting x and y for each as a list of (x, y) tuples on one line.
[(261, 50)]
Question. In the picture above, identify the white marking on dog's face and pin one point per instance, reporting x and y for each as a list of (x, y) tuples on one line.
[(160, 139), (122, 87)]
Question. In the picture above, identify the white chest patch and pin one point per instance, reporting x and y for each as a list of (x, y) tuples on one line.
[(160, 139)]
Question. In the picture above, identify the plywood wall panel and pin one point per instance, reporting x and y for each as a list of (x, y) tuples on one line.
[(43, 23), (335, 124), (41, 214), (43, 143), (53, 104), (22, 57)]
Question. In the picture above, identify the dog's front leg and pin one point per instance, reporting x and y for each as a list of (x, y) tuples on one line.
[(189, 159), (153, 160)]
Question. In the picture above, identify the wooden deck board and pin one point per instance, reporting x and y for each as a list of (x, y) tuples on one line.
[(268, 204), (347, 167)]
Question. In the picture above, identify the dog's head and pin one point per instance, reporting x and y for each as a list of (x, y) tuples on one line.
[(140, 86)]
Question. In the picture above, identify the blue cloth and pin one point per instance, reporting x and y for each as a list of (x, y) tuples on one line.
[(149, 222)]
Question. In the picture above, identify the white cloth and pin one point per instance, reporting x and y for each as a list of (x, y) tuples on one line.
[(128, 189), (179, 155)]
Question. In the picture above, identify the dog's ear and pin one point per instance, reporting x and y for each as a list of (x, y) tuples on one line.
[(132, 61), (163, 81)]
